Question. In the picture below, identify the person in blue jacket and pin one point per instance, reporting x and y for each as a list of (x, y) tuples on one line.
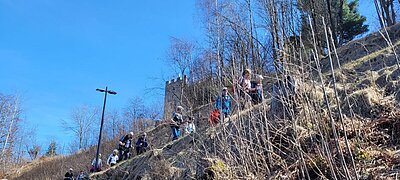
[(224, 103)]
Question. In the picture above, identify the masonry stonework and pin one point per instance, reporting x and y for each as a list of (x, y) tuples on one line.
[(173, 93)]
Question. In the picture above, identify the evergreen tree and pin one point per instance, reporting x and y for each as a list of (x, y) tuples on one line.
[(347, 25), (353, 23), (51, 151)]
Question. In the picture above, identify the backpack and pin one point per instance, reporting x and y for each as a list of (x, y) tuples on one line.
[(214, 117)]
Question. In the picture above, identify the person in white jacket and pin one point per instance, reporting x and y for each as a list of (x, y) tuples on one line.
[(113, 158), (189, 126), (99, 165)]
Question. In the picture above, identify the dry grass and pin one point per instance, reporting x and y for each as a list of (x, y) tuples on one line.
[(387, 50)]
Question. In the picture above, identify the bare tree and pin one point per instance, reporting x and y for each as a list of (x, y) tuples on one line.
[(113, 124), (33, 151), (386, 12), (154, 111), (10, 111), (133, 113), (180, 54), (81, 124)]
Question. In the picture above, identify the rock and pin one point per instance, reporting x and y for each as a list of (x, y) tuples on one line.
[(395, 75), (362, 102), (390, 88), (382, 80), (364, 84), (397, 97), (211, 168)]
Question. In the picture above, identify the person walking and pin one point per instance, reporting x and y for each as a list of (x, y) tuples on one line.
[(245, 81), (82, 176), (113, 158), (176, 121), (69, 175), (224, 103), (245, 88), (189, 126), (257, 94), (125, 145), (141, 144), (99, 165)]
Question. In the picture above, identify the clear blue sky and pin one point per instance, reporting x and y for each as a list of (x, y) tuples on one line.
[(55, 53)]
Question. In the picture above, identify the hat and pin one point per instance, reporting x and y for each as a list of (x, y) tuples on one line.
[(131, 133), (179, 107), (115, 151), (247, 71), (99, 154), (70, 169), (260, 77), (144, 134), (224, 88)]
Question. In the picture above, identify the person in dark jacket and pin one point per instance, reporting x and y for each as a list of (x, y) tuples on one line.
[(176, 122), (257, 94), (141, 144), (69, 175), (125, 145)]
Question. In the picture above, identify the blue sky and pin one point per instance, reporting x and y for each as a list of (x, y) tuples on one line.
[(55, 53)]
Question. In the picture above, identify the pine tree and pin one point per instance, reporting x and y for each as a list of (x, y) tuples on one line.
[(51, 151), (353, 23), (347, 25)]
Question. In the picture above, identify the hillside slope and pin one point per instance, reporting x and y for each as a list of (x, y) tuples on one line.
[(343, 129), (363, 145)]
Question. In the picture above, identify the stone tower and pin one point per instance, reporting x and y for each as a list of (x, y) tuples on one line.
[(173, 92)]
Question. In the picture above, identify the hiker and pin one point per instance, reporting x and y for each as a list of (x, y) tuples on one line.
[(82, 176), (176, 121), (245, 87), (223, 103), (141, 144), (189, 126), (113, 158), (257, 94), (69, 175), (124, 147), (99, 165), (245, 82)]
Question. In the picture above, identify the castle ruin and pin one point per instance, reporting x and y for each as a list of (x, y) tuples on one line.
[(173, 95)]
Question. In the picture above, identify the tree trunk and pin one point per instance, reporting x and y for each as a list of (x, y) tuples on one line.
[(387, 12), (393, 12), (10, 129), (253, 58), (332, 23), (379, 13)]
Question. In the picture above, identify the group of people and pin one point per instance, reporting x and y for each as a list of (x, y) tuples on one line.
[(123, 152), (70, 175), (249, 91), (178, 121)]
